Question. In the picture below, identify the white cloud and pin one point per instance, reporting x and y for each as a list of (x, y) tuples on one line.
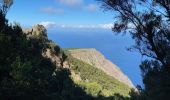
[(53, 25), (48, 24), (52, 10), (91, 7), (72, 3)]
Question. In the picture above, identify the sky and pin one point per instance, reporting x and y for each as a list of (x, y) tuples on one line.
[(60, 13), (84, 23)]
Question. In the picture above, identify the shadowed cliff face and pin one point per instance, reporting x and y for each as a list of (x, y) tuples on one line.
[(95, 58), (50, 49)]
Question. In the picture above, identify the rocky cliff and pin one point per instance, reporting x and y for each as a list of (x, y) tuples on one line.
[(96, 59)]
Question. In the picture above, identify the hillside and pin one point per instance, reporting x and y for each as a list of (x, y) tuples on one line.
[(95, 81), (96, 59), (89, 69)]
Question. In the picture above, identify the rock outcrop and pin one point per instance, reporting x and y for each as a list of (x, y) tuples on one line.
[(50, 49), (96, 59), (57, 60), (37, 31)]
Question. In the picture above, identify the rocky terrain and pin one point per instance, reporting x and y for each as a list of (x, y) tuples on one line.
[(96, 59)]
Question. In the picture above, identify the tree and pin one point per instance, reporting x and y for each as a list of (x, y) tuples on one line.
[(148, 23), (5, 5)]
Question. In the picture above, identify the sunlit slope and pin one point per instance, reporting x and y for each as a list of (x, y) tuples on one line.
[(90, 76)]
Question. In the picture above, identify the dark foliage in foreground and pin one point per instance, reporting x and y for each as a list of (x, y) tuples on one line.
[(148, 23)]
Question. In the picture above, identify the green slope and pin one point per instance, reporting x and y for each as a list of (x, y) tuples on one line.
[(95, 81)]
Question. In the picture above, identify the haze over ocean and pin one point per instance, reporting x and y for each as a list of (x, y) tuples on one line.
[(113, 47)]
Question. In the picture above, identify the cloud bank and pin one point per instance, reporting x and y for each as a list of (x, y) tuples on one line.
[(53, 25)]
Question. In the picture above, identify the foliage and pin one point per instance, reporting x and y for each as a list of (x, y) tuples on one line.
[(5, 5), (148, 23)]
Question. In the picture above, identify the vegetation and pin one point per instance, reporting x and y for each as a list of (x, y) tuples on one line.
[(5, 5), (148, 23), (95, 81)]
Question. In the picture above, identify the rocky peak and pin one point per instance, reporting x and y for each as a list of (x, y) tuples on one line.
[(50, 49), (96, 59), (37, 31)]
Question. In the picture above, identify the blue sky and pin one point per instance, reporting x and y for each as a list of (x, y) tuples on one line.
[(60, 13)]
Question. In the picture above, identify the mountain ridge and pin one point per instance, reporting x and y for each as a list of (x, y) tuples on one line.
[(95, 58)]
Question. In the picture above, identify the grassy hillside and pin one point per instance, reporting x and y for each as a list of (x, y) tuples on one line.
[(95, 81)]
